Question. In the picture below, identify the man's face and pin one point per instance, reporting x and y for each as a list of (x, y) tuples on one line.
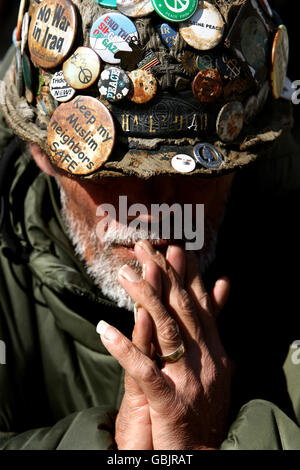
[(105, 253)]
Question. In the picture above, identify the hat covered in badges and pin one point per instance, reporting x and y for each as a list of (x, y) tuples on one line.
[(148, 87)]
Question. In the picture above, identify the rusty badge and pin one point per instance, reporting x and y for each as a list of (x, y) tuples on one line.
[(52, 32), (230, 121), (207, 86), (81, 135), (144, 86)]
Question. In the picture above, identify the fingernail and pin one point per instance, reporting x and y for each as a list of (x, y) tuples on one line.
[(147, 247), (144, 272), (168, 252), (137, 305), (129, 274), (109, 332)]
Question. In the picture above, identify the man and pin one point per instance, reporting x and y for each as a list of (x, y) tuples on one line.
[(65, 264)]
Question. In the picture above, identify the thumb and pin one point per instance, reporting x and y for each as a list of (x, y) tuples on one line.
[(220, 294)]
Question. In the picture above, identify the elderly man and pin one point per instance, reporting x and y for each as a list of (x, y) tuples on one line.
[(144, 104)]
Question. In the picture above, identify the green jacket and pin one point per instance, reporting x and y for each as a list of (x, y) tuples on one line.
[(60, 389)]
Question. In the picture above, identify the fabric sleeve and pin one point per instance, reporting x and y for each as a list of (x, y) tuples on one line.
[(91, 429)]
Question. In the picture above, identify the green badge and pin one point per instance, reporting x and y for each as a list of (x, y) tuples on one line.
[(175, 10), (107, 3)]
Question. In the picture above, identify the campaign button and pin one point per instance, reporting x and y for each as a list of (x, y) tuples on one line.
[(60, 89), (230, 121), (144, 86), (207, 86), (82, 69), (171, 10), (207, 155), (280, 58), (254, 41), (168, 34), (107, 3), (111, 33), (228, 67), (114, 84), (250, 109), (135, 8), (25, 28), (27, 75), (81, 135), (14, 37), (52, 32), (188, 61), (205, 29), (19, 71), (183, 163), (205, 61), (20, 19), (46, 101)]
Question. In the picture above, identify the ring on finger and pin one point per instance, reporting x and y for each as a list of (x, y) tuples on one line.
[(174, 356)]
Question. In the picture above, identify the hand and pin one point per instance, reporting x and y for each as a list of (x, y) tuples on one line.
[(188, 400)]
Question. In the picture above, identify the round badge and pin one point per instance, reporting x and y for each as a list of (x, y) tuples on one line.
[(52, 32), (27, 75), (167, 34), (250, 109), (14, 37), (144, 86), (82, 69), (19, 72), (60, 89), (110, 34), (207, 155), (205, 61), (25, 27), (81, 135), (280, 58), (107, 3), (204, 30), (114, 84), (228, 67), (173, 10), (207, 86), (135, 8), (188, 61), (230, 121), (183, 163), (254, 42)]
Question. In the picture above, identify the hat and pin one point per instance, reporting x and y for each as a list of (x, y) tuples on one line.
[(148, 87)]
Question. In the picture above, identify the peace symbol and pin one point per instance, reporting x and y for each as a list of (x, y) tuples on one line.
[(177, 6), (85, 75)]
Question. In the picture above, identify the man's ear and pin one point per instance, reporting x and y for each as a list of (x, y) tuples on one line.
[(41, 159)]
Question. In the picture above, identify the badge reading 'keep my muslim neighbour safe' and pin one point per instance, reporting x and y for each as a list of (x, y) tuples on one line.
[(52, 32), (110, 34), (81, 135)]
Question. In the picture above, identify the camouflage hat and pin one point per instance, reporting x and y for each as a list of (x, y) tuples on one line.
[(145, 88)]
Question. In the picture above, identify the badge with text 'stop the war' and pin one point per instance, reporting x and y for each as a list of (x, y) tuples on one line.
[(175, 10), (111, 33), (205, 29), (81, 135), (82, 69), (52, 32)]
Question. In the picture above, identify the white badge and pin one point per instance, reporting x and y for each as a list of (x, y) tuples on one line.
[(183, 163)]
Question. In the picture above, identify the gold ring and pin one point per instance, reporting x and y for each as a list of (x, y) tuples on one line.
[(174, 356)]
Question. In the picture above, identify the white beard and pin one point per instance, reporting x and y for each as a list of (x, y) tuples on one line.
[(104, 267)]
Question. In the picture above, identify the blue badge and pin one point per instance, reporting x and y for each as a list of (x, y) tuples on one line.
[(207, 155), (167, 34), (107, 3)]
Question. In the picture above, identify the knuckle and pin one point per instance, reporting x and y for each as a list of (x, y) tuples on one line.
[(169, 332), (183, 301), (149, 372)]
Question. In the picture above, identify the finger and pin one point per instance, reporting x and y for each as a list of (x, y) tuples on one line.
[(175, 296), (166, 330), (176, 258), (220, 294), (152, 274), (142, 369)]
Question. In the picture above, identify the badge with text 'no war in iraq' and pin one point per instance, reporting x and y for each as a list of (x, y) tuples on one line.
[(52, 32), (248, 39), (81, 135)]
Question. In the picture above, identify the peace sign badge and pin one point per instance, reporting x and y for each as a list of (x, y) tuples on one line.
[(175, 10)]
